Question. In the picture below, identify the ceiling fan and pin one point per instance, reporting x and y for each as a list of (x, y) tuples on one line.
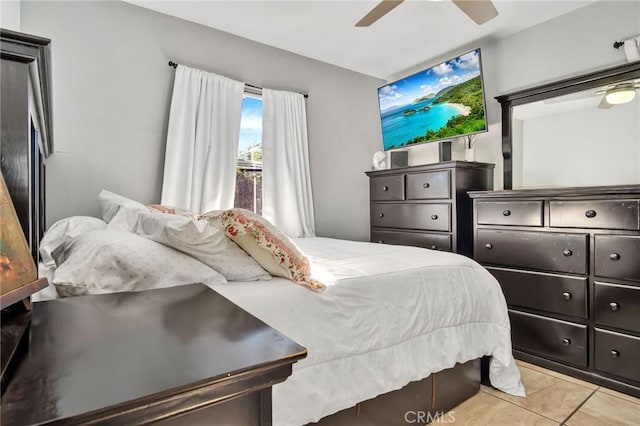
[(615, 94), (480, 11)]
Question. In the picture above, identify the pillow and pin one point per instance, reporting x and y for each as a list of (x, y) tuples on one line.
[(199, 240), (63, 230), (110, 203), (159, 208), (111, 261), (270, 247)]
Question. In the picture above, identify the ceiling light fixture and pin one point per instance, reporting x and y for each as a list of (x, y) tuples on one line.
[(620, 95)]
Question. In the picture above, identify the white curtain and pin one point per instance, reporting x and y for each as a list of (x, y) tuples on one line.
[(286, 179), (632, 48), (202, 141)]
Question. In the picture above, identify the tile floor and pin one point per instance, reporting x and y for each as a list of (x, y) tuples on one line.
[(552, 399)]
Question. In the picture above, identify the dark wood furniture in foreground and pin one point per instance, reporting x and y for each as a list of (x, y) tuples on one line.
[(168, 355), (568, 261), (427, 206)]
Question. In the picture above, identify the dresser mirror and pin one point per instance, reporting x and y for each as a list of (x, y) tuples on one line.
[(565, 133)]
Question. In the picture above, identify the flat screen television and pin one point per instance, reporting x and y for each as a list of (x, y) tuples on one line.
[(442, 102)]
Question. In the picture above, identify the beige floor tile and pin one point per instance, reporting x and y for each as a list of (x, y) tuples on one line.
[(556, 374), (547, 395), (487, 410), (603, 409), (619, 395)]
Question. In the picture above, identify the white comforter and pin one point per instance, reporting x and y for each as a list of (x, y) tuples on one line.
[(390, 315)]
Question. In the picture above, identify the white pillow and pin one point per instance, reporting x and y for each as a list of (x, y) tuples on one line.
[(110, 261), (110, 203), (198, 239), (64, 230)]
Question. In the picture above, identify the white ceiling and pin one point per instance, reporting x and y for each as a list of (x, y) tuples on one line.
[(411, 34)]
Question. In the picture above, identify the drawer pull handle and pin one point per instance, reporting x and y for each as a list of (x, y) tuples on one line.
[(434, 247), (566, 295), (614, 353), (385, 188), (506, 213), (590, 213), (434, 217), (614, 256), (488, 246), (426, 185), (614, 306), (567, 252), (380, 215), (566, 342), (380, 241)]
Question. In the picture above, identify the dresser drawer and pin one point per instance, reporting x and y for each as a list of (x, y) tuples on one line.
[(417, 239), (617, 354), (617, 256), (614, 214), (429, 185), (432, 217), (618, 306), (554, 339), (547, 251), (386, 188), (545, 292), (522, 213)]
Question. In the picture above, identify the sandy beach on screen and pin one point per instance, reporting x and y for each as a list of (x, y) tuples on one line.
[(462, 109)]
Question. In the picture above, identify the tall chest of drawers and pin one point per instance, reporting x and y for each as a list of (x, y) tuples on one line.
[(427, 206), (568, 262)]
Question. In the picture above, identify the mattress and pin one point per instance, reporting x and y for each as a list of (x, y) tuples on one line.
[(390, 315)]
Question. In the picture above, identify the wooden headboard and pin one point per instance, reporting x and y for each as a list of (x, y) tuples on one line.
[(27, 133)]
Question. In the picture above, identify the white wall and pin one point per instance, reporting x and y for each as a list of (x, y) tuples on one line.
[(569, 45), (562, 149), (10, 14), (111, 93)]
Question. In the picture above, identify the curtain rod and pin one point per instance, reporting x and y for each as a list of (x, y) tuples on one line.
[(175, 65)]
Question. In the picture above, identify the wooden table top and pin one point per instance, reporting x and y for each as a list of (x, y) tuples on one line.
[(92, 353)]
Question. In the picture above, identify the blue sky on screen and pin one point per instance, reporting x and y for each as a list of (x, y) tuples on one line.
[(251, 122), (432, 80)]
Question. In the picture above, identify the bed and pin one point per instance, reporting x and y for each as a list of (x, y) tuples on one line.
[(389, 316)]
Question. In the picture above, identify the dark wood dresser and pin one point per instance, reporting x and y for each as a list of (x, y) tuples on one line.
[(427, 206), (181, 355), (568, 261)]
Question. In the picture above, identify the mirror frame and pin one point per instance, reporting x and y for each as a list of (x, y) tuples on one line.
[(579, 83)]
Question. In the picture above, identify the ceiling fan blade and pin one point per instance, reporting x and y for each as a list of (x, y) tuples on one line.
[(378, 12), (480, 11), (604, 104)]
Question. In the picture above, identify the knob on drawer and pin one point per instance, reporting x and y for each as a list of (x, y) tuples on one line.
[(566, 342), (434, 217), (614, 256), (385, 188), (381, 241), (488, 246), (567, 252), (590, 213), (614, 353), (380, 214), (426, 185), (506, 213), (614, 306), (566, 295), (434, 247)]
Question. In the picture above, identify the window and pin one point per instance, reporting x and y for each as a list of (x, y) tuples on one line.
[(249, 172)]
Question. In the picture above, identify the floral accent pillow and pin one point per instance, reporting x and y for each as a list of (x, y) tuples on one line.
[(271, 248)]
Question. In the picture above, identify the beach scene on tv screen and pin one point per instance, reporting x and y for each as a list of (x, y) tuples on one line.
[(444, 101)]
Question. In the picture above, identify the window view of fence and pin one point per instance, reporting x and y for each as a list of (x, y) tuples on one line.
[(249, 172)]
